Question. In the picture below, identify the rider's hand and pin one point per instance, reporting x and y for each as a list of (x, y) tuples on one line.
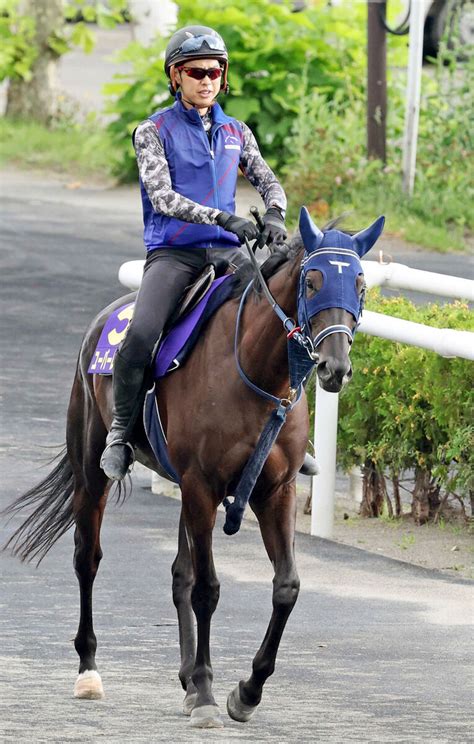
[(274, 230), (238, 225)]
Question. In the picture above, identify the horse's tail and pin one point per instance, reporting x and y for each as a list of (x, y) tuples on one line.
[(52, 516)]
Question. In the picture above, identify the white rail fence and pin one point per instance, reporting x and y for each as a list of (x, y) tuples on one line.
[(443, 341)]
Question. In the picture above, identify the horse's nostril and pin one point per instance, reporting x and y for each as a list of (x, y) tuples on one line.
[(335, 369)]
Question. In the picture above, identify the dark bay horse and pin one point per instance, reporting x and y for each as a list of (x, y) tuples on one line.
[(212, 421)]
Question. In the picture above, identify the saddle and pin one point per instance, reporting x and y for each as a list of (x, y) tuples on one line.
[(198, 289), (199, 301)]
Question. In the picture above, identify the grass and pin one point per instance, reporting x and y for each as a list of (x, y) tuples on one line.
[(402, 222), (407, 541), (329, 171), (414, 220), (82, 151)]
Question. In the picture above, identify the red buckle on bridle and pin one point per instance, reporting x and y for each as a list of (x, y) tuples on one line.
[(296, 329)]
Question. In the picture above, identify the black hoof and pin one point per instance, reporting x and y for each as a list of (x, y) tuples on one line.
[(236, 709)]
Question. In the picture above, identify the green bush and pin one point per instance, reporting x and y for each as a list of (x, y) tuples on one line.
[(409, 409), (329, 169), (276, 57)]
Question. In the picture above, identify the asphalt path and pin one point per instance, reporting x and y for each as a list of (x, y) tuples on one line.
[(375, 650)]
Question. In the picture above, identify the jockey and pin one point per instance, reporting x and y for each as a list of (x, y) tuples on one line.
[(188, 155)]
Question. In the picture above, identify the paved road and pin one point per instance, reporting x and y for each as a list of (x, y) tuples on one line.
[(375, 651)]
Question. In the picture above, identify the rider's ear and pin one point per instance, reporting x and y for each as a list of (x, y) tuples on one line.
[(311, 234), (173, 84), (365, 239)]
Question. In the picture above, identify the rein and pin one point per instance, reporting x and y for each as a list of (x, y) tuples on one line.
[(285, 402), (293, 331), (302, 358), (235, 510)]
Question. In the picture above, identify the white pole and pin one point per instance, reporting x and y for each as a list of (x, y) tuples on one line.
[(399, 276), (415, 60), (444, 341), (325, 441)]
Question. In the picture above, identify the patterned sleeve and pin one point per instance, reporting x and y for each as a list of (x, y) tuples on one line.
[(260, 175), (155, 176)]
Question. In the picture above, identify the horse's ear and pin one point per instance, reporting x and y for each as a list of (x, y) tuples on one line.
[(311, 234), (365, 239)]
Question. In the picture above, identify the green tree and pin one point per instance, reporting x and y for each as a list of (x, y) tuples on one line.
[(34, 35)]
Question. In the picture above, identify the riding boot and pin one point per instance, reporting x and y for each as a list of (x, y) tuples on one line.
[(118, 454), (309, 466)]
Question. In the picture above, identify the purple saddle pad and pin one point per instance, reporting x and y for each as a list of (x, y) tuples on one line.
[(168, 355)]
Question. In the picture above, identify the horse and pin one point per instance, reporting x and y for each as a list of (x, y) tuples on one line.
[(213, 409)]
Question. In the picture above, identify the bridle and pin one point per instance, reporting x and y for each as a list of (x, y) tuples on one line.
[(300, 334)]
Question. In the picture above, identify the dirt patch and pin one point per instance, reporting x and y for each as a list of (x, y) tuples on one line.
[(447, 546)]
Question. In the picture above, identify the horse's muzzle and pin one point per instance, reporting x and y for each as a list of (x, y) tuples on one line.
[(334, 373)]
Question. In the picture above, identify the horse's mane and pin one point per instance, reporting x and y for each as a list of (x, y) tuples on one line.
[(282, 255)]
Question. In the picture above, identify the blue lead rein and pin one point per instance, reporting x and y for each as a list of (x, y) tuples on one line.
[(235, 509)]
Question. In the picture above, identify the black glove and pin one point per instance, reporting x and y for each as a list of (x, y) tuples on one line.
[(274, 230), (238, 225)]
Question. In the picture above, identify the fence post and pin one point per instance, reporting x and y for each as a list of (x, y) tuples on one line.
[(415, 61), (325, 442)]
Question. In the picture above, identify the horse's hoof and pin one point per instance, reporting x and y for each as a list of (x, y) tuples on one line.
[(237, 709), (309, 466), (189, 702), (207, 716), (89, 686)]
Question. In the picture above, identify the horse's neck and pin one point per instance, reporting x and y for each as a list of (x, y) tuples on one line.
[(263, 347)]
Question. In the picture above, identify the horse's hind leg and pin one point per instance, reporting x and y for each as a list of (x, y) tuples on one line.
[(86, 436), (276, 516), (183, 578)]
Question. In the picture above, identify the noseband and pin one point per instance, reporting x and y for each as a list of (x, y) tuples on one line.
[(338, 290), (329, 332)]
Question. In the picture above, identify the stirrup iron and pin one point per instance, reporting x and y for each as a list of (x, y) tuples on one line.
[(115, 443)]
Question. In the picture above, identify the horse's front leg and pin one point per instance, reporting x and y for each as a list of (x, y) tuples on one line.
[(199, 514), (183, 579), (276, 516)]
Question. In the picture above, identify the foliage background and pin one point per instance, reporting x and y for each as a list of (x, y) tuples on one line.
[(299, 81), (407, 408), (276, 57)]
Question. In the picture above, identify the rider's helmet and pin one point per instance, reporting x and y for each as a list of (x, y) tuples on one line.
[(195, 42)]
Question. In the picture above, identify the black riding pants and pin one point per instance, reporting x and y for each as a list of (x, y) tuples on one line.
[(167, 274)]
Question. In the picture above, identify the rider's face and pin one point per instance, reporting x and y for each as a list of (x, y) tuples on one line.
[(199, 92)]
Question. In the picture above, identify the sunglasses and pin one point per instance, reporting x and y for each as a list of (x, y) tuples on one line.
[(199, 73)]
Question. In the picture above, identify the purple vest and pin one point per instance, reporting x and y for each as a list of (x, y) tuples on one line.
[(203, 171)]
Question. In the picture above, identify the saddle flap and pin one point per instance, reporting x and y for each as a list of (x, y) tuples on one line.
[(196, 291)]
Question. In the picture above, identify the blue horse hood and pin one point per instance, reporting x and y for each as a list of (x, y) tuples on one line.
[(337, 256)]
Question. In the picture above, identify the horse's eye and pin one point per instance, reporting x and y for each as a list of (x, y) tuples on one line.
[(313, 283), (360, 284)]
